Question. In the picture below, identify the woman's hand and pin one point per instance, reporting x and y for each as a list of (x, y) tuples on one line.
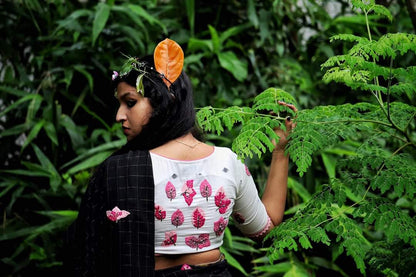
[(283, 134)]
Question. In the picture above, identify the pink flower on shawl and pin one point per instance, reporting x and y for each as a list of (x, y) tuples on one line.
[(188, 192), (116, 214), (186, 267)]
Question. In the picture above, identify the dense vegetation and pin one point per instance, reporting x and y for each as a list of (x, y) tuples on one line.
[(348, 65)]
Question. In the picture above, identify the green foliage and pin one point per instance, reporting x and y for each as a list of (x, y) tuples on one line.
[(357, 210), (352, 160), (257, 122)]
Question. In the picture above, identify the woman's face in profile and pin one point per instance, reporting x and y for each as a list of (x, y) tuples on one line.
[(134, 111)]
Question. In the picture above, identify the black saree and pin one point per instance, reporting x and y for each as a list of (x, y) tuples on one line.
[(97, 246)]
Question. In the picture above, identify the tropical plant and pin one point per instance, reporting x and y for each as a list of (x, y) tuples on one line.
[(366, 207)]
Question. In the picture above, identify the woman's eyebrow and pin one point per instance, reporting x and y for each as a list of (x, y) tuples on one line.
[(124, 94)]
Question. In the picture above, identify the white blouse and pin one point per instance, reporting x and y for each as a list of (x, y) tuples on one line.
[(195, 199)]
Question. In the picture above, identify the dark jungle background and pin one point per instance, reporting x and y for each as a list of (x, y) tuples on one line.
[(57, 110)]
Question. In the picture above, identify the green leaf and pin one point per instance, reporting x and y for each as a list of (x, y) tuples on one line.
[(215, 40), (51, 132), (100, 19), (33, 133), (20, 101), (90, 162), (233, 262), (229, 61)]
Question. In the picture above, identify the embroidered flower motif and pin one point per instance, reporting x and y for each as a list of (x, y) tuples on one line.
[(186, 267), (114, 76), (170, 191), (247, 171), (239, 218), (221, 200), (205, 189), (188, 192), (198, 242), (177, 218), (160, 213), (198, 218), (170, 238), (116, 214), (219, 226)]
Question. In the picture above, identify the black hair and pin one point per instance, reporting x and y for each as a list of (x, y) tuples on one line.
[(173, 112)]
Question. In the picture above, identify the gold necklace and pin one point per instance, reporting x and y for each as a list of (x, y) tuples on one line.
[(188, 145)]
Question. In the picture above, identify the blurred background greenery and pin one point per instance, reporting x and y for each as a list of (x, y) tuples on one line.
[(57, 108)]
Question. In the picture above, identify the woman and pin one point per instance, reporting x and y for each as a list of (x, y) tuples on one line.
[(166, 195)]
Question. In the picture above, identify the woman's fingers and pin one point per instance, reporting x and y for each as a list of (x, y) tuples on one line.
[(290, 106)]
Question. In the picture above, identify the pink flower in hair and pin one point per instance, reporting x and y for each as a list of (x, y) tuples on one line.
[(114, 76), (116, 214)]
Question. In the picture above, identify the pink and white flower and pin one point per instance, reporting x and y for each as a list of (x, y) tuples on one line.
[(116, 214)]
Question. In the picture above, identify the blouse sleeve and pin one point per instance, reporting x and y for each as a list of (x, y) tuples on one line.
[(249, 211)]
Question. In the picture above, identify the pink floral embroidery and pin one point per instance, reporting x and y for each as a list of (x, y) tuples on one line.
[(188, 192), (198, 218), (116, 214), (186, 267), (198, 242), (239, 218), (219, 226), (160, 213), (221, 200), (177, 218), (170, 191), (170, 238), (206, 189), (247, 171)]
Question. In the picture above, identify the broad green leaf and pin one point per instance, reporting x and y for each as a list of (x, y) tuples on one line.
[(200, 44), (251, 12), (229, 61), (100, 19), (190, 12), (90, 162), (139, 11), (215, 40), (113, 145)]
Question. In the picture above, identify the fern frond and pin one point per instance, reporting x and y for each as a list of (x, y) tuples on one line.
[(324, 126), (212, 120), (370, 6), (255, 137), (208, 120), (349, 37), (389, 218), (268, 101)]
